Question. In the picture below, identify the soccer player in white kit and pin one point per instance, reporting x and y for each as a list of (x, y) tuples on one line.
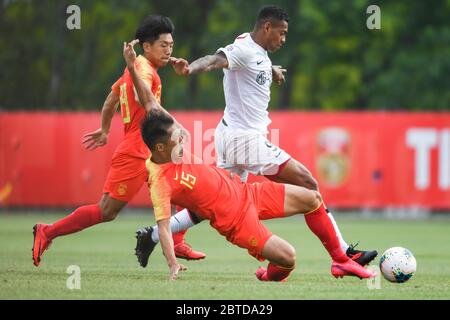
[(240, 137)]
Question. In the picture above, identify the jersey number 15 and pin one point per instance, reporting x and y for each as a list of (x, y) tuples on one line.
[(187, 180)]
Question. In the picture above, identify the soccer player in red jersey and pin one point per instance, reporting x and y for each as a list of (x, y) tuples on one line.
[(127, 173), (234, 209)]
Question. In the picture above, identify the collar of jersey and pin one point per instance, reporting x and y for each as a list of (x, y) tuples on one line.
[(257, 45)]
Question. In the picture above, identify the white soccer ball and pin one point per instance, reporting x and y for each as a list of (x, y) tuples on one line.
[(398, 264)]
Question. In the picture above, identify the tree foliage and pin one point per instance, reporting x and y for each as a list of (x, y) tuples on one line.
[(334, 62)]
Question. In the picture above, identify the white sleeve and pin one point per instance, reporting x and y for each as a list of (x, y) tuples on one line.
[(237, 56)]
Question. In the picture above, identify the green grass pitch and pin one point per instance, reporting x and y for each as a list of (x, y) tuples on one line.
[(109, 269)]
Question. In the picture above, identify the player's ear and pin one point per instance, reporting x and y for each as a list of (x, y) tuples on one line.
[(267, 26), (160, 147), (146, 46)]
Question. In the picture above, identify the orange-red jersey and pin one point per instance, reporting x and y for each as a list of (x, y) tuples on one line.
[(211, 192), (132, 111)]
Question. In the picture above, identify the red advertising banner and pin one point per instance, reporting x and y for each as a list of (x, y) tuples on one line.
[(362, 159)]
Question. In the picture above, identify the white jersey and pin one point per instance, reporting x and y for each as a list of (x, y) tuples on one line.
[(246, 85)]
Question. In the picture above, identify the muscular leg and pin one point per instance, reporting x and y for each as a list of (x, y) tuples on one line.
[(282, 260), (85, 216), (301, 200), (297, 174), (282, 255), (279, 252), (110, 207), (82, 218)]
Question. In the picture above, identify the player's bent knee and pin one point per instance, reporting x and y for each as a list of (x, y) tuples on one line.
[(109, 216), (108, 213), (305, 179), (311, 183), (287, 258), (316, 201), (110, 208), (310, 200), (279, 252), (290, 259)]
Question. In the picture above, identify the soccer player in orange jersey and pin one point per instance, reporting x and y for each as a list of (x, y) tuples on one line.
[(127, 173), (234, 209)]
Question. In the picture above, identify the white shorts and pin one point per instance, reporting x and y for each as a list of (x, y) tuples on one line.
[(241, 152)]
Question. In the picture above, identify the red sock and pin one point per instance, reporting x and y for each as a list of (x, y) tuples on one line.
[(179, 236), (277, 273), (78, 220), (319, 223)]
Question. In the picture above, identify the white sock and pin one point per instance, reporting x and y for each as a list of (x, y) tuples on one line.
[(344, 244), (178, 222)]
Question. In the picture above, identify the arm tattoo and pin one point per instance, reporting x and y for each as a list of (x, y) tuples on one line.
[(208, 63)]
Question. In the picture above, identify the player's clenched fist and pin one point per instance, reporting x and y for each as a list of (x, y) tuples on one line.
[(129, 54), (278, 74)]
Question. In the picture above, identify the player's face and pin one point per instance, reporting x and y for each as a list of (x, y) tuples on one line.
[(175, 144), (276, 37), (160, 50)]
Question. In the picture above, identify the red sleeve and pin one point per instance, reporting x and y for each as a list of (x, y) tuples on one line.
[(116, 86)]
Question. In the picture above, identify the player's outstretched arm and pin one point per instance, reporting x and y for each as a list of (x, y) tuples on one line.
[(208, 63), (166, 240), (146, 97), (99, 137)]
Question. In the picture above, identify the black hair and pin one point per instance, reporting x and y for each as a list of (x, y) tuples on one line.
[(154, 128), (272, 14), (152, 26)]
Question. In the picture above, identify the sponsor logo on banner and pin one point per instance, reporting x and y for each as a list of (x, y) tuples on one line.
[(333, 156)]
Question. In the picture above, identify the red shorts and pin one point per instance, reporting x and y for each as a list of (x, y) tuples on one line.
[(264, 201), (125, 177)]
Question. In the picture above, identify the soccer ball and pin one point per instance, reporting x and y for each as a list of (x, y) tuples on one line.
[(398, 264)]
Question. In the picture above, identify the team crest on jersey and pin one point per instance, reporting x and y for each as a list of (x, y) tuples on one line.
[(333, 156), (262, 78), (122, 189), (253, 242)]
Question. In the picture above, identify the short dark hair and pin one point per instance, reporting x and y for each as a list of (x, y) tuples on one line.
[(272, 14), (154, 128), (152, 26)]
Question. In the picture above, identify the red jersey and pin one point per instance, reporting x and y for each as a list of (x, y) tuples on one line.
[(211, 192), (132, 111)]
